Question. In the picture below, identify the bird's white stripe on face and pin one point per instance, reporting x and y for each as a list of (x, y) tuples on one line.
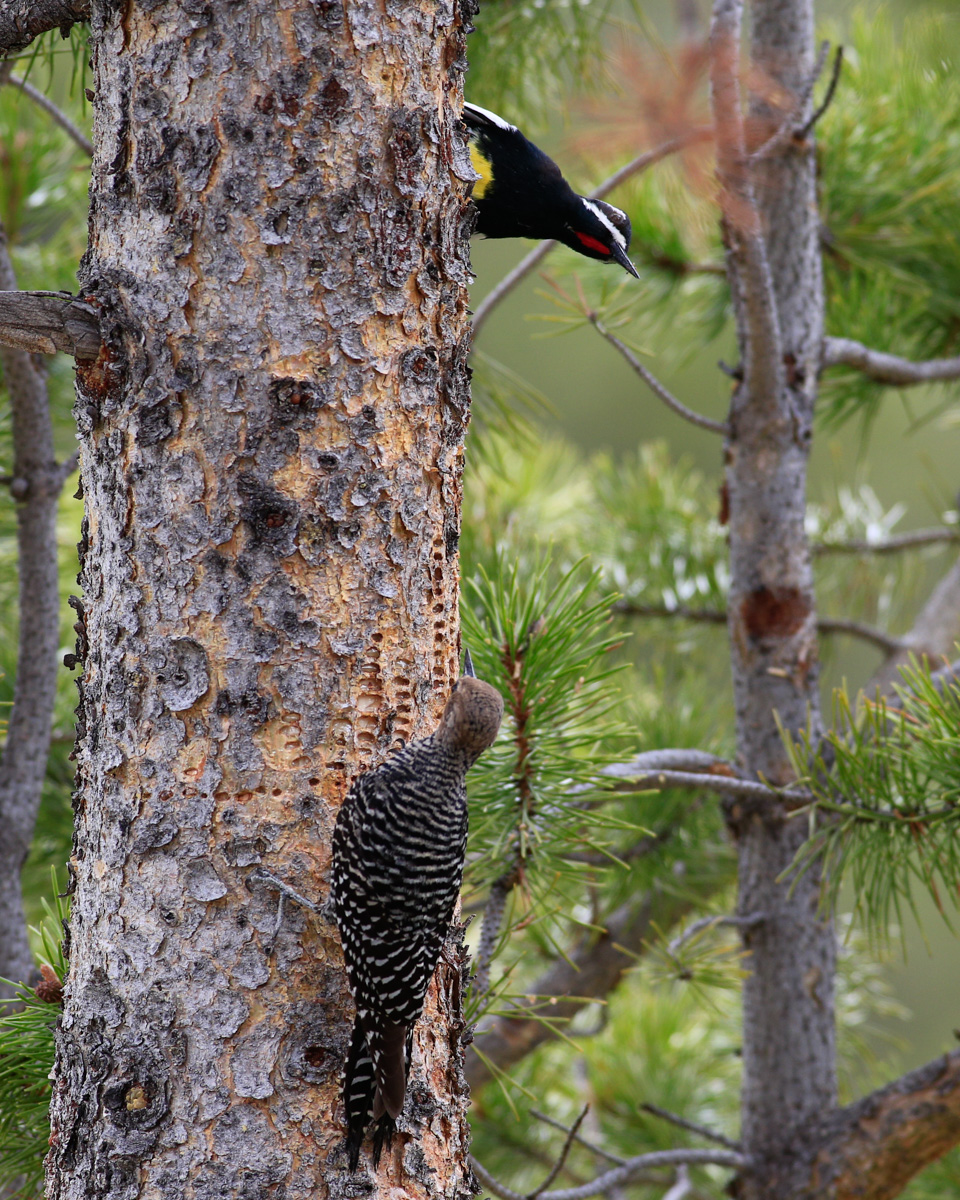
[(602, 216), (491, 116)]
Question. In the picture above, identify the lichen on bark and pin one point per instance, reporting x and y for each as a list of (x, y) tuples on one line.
[(271, 460)]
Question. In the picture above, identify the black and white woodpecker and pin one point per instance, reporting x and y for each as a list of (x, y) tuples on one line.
[(398, 851), (522, 193)]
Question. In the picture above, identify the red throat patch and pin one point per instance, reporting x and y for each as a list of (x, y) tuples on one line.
[(592, 244)]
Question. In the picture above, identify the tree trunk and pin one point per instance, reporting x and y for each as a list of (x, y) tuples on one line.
[(272, 469), (775, 271), (36, 485)]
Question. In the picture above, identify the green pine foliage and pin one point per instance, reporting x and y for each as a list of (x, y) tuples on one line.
[(886, 782), (890, 154), (27, 1025)]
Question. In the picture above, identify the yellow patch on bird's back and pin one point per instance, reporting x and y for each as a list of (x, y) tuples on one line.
[(483, 168)]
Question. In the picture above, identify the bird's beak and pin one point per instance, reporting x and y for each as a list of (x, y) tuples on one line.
[(621, 256), (468, 670)]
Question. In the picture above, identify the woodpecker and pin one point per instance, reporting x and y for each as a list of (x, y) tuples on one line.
[(398, 851), (521, 193)]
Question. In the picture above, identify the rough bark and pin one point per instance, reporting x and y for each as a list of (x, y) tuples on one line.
[(45, 322), (272, 469), (23, 20), (36, 484), (773, 259), (871, 1149)]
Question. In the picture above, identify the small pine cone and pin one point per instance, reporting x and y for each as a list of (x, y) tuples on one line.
[(49, 989)]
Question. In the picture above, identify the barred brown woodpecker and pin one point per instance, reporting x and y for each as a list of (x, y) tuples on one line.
[(398, 851)]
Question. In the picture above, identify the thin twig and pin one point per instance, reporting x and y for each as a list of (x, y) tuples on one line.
[(716, 616), (674, 946), (60, 117), (890, 545), (587, 1145), (655, 385), (691, 1126), (818, 112), (539, 253), (619, 1176), (887, 368), (564, 1152), (787, 129)]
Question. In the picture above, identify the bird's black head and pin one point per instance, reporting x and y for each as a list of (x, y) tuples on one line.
[(599, 230)]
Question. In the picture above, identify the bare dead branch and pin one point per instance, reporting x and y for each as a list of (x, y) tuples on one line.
[(619, 1176), (691, 1126), (564, 1153), (655, 385), (748, 268), (887, 368), (682, 1187), (578, 1138), (23, 20), (827, 100), (727, 785), (915, 540), (45, 322), (787, 128), (58, 115), (68, 466), (709, 616), (536, 256), (36, 484), (873, 1147)]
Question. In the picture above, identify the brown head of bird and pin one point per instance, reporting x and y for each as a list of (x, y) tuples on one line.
[(471, 719)]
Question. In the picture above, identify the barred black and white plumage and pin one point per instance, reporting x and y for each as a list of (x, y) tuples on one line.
[(398, 851)]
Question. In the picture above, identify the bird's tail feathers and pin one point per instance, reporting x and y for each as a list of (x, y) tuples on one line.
[(388, 1044), (359, 1087), (383, 1133)]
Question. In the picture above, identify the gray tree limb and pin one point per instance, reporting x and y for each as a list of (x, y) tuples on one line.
[(916, 539), (887, 368), (618, 1176), (45, 322), (37, 481), (934, 634), (23, 20)]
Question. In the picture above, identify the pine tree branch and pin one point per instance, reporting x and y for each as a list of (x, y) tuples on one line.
[(60, 117), (578, 1138), (23, 20), (45, 322), (536, 256), (872, 1148), (562, 1158), (915, 540), (618, 1176), (490, 927), (887, 368), (655, 385)]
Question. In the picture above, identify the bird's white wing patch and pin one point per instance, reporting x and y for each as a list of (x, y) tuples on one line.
[(602, 216), (491, 116)]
